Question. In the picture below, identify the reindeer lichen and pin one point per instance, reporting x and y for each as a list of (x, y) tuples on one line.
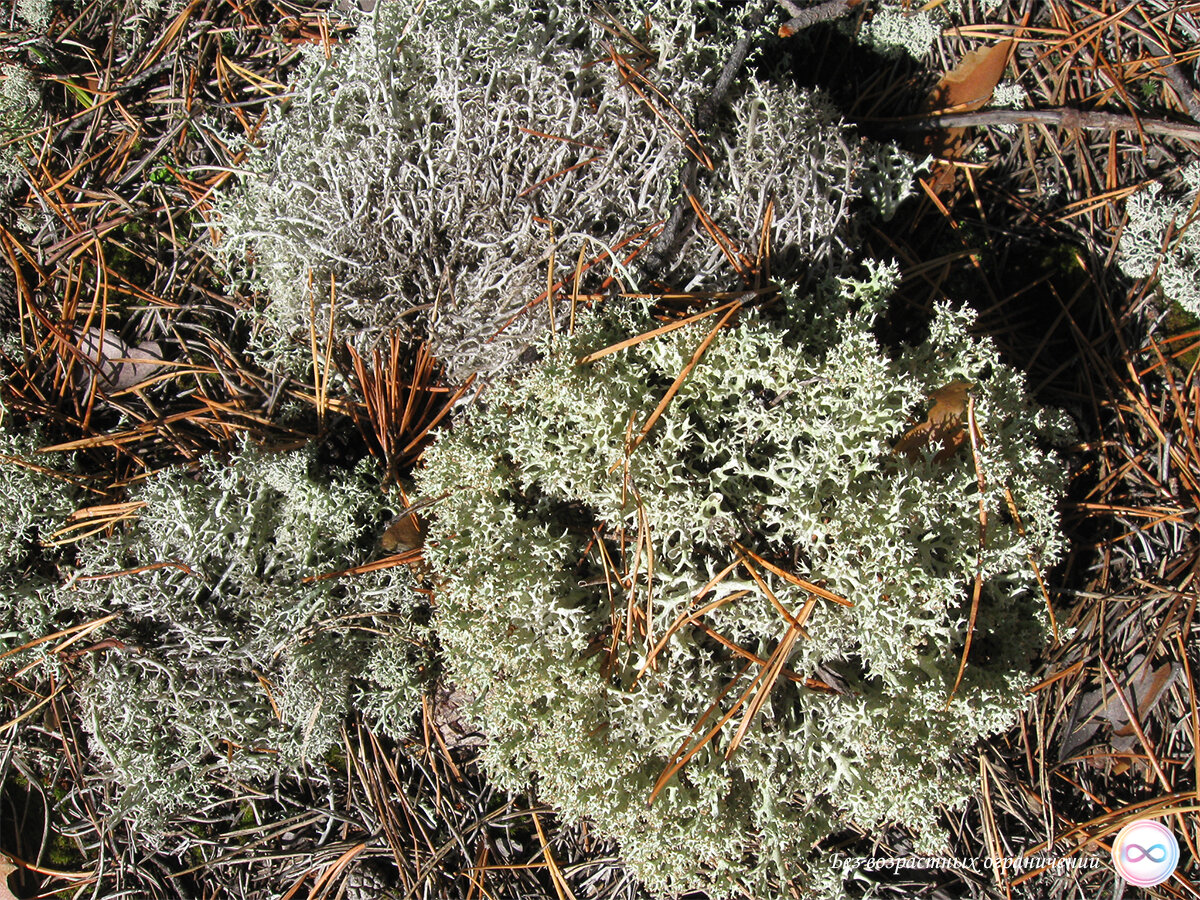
[(1147, 247), (565, 557), (240, 646), (423, 176)]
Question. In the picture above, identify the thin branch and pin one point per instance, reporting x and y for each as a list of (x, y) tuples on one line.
[(673, 235), (1063, 117), (1183, 88), (806, 17)]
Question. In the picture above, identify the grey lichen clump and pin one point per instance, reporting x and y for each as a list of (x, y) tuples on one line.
[(236, 656), (1146, 247), (37, 493), (565, 557), (20, 101), (896, 27), (423, 173), (34, 496)]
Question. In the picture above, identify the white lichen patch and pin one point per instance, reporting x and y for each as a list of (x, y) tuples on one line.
[(423, 176), (780, 441), (1146, 247)]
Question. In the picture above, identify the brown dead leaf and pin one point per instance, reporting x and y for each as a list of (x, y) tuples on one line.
[(967, 87), (404, 533), (1145, 687), (943, 424), (6, 869)]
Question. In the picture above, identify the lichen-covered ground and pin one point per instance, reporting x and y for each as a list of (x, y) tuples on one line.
[(140, 374)]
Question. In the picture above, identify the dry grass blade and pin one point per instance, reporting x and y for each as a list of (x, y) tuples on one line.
[(321, 367)]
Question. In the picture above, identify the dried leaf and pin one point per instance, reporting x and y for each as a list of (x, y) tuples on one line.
[(403, 534), (6, 869), (120, 365), (967, 87), (1144, 686), (943, 424)]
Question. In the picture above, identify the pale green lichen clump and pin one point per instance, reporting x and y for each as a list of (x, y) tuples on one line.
[(239, 657), (34, 497), (1146, 248), (896, 29), (780, 441)]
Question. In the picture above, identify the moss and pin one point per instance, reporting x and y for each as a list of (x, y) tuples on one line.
[(1180, 321)]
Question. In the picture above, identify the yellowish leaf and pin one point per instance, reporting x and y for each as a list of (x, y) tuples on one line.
[(967, 87), (943, 423)]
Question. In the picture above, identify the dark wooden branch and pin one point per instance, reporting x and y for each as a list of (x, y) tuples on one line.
[(806, 16), (674, 232), (1183, 88), (1073, 119)]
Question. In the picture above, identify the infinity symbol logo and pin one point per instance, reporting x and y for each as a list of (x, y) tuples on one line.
[(1146, 853)]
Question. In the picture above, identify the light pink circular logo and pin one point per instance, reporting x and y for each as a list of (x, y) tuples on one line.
[(1145, 853)]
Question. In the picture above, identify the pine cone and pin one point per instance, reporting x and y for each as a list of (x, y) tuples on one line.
[(368, 881)]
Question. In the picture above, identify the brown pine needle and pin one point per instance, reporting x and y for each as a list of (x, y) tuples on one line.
[(1037, 570), (559, 173), (977, 586), (736, 258), (768, 677), (645, 530), (762, 262), (687, 370), (770, 595), (683, 755), (653, 333), (575, 287), (556, 876), (555, 137), (550, 281), (793, 579), (629, 73), (739, 650), (604, 254), (683, 621)]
